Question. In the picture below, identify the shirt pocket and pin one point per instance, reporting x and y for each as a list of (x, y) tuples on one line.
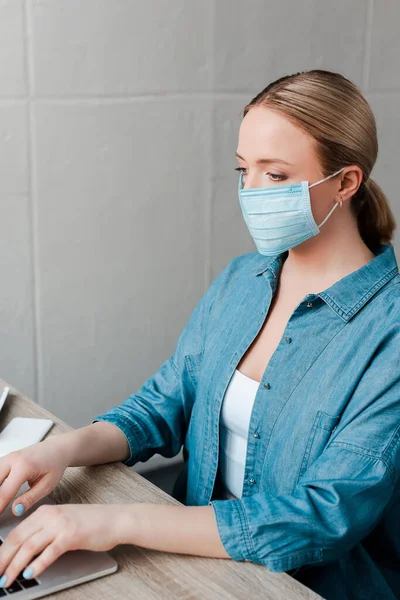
[(193, 365), (321, 430)]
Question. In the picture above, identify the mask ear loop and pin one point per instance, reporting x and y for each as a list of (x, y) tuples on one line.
[(329, 214), (325, 178), (331, 211), (336, 204)]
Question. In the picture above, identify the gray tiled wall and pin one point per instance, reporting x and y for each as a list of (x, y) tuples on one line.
[(118, 126)]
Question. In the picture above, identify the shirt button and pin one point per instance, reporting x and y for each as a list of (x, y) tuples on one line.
[(252, 481), (256, 435), (288, 340), (309, 304), (267, 386)]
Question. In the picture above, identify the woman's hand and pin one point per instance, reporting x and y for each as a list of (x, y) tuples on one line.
[(52, 530), (42, 465)]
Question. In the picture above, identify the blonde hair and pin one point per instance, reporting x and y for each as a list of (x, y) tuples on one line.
[(335, 113)]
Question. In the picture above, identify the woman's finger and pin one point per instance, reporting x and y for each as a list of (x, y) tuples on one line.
[(11, 481), (5, 468), (24, 554), (46, 526), (35, 493), (34, 523), (49, 555)]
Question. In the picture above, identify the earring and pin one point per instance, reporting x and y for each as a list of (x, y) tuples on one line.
[(341, 202)]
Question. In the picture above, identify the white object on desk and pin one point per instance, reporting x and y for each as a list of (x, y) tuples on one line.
[(3, 396), (21, 432)]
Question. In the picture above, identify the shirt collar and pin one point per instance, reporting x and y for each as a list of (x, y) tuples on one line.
[(348, 295)]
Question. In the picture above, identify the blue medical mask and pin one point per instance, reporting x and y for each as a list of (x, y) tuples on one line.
[(280, 217)]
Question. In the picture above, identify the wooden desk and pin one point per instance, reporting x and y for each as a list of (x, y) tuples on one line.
[(149, 574)]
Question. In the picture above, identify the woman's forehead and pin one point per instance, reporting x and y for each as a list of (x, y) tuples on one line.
[(266, 133)]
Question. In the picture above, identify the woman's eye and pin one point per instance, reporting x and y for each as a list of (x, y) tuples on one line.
[(272, 176), (276, 176)]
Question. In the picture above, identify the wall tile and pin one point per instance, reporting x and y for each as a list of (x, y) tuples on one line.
[(16, 308), (12, 68), (13, 149), (260, 41), (385, 46), (385, 109), (121, 218), (229, 234), (121, 47)]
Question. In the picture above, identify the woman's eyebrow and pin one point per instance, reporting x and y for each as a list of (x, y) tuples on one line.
[(263, 161)]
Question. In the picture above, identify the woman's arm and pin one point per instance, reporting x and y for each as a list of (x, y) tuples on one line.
[(94, 444), (181, 529)]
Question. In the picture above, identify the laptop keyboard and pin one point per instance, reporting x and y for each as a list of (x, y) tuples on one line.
[(19, 584)]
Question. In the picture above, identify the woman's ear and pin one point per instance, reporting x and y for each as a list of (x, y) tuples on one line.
[(351, 179)]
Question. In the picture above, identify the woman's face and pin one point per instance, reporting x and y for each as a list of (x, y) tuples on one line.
[(272, 152)]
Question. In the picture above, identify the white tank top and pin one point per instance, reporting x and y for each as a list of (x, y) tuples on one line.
[(236, 410)]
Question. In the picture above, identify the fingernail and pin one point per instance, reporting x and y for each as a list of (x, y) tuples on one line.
[(19, 509), (28, 573), (3, 581)]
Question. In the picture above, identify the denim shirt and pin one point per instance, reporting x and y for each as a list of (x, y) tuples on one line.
[(321, 490)]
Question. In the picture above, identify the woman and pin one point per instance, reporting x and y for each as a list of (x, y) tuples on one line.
[(284, 386)]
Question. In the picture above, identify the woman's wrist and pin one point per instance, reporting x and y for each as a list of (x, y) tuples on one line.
[(62, 446), (124, 523)]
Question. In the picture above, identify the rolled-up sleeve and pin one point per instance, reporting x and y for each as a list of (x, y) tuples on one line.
[(153, 418), (339, 501)]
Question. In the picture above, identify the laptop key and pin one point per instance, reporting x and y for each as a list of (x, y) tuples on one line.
[(14, 587), (28, 583)]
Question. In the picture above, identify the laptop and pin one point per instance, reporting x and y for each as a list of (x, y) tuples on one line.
[(71, 568)]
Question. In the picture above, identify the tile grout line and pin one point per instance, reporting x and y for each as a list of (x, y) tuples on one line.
[(78, 100), (210, 161), (367, 45), (37, 346), (6, 100)]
